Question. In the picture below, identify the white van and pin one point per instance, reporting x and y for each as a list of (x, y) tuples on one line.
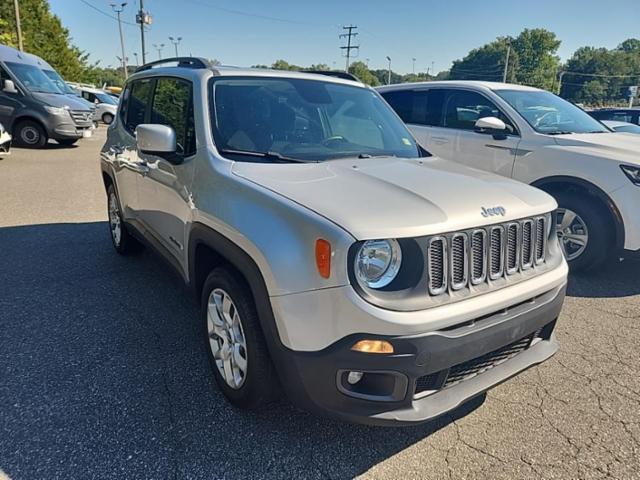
[(538, 138)]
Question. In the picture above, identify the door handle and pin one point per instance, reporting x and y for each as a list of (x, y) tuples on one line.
[(440, 140)]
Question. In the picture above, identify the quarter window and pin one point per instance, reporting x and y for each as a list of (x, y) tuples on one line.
[(173, 106)]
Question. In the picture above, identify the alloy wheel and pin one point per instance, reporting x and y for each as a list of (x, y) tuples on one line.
[(572, 233), (226, 338), (114, 220)]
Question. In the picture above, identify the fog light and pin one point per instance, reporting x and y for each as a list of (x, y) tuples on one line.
[(354, 377), (373, 346)]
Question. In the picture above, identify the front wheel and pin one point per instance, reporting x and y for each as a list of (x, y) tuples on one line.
[(234, 341), (30, 134), (584, 231)]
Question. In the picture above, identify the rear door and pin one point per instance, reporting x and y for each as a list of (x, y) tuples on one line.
[(123, 151), (164, 190)]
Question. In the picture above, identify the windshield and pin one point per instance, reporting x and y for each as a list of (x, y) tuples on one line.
[(106, 98), (550, 114), (307, 120), (59, 82), (33, 78)]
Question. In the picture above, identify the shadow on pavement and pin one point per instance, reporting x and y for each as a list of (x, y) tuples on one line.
[(617, 280), (104, 375)]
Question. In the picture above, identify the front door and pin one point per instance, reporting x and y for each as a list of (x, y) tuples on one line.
[(164, 189)]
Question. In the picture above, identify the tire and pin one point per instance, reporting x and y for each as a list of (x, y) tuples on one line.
[(67, 142), (240, 340), (122, 240), (30, 134), (597, 223), (107, 118)]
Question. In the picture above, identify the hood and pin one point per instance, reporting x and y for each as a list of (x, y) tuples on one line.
[(390, 197), (61, 100), (617, 146)]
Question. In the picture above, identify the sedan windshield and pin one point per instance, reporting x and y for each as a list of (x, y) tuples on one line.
[(58, 80), (550, 114), (33, 78), (308, 120)]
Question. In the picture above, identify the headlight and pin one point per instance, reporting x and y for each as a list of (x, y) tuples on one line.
[(632, 172), (377, 263), (56, 110)]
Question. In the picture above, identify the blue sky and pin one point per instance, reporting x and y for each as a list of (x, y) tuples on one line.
[(249, 32)]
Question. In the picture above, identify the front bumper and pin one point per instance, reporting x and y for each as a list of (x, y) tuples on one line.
[(414, 384), (627, 200)]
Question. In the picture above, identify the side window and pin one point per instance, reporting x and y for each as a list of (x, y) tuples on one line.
[(621, 117), (421, 107), (463, 108), (173, 106), (140, 92), (3, 76)]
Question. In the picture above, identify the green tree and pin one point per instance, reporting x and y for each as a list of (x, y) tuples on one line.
[(44, 35), (360, 70), (486, 63)]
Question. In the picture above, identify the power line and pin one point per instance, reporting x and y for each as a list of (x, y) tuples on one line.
[(254, 15), (107, 14), (348, 47)]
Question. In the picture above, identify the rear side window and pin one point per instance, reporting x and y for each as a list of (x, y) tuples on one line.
[(139, 94), (173, 106), (421, 107)]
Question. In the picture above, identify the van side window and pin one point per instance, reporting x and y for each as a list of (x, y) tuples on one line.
[(139, 97), (463, 108), (173, 106)]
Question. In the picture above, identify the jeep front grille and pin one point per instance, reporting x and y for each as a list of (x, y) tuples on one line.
[(463, 259)]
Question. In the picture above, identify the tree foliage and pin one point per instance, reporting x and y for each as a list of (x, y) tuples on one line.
[(532, 60)]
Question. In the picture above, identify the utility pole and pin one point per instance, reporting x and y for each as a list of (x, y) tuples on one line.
[(389, 72), (560, 81), (118, 9), (414, 66), (159, 49), (18, 26), (143, 18), (506, 65), (175, 41), (348, 47)]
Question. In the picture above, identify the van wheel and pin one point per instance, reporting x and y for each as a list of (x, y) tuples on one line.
[(122, 240), (235, 343), (30, 134), (107, 118), (584, 231)]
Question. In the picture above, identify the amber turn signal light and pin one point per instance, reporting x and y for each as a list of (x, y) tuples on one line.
[(323, 257), (373, 346)]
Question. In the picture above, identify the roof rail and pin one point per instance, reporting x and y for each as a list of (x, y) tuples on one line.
[(184, 62), (334, 73)]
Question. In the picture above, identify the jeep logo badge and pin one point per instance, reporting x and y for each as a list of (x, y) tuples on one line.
[(493, 212)]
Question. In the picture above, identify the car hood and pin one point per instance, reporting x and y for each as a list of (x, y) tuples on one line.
[(61, 100), (616, 146), (390, 197)]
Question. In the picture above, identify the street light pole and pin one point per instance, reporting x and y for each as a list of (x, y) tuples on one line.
[(159, 49), (135, 54), (175, 41), (389, 71), (414, 65), (118, 10), (18, 26)]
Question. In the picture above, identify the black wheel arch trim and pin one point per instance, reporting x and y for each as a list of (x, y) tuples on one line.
[(593, 190)]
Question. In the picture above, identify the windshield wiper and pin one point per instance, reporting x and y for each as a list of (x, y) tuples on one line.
[(559, 132), (268, 155)]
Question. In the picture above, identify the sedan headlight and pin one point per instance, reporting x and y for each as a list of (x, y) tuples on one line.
[(632, 172), (56, 110), (377, 263)]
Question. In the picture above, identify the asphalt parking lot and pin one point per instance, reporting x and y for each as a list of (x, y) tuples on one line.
[(103, 373)]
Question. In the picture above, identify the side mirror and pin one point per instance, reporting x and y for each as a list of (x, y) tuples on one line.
[(159, 140), (9, 87), (490, 125)]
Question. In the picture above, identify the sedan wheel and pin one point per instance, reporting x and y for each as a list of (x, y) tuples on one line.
[(572, 233), (226, 338)]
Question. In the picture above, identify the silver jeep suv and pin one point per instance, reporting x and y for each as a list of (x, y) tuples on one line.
[(333, 258)]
